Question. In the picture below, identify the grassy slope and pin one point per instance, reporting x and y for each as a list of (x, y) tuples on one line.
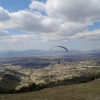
[(83, 91)]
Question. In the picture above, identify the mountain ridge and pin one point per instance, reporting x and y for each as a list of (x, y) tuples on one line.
[(43, 52)]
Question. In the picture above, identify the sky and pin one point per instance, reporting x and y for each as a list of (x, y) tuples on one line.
[(42, 24)]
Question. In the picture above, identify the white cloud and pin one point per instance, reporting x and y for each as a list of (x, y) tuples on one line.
[(74, 10), (35, 5), (67, 18), (24, 39), (54, 20), (26, 20), (4, 34), (4, 15), (90, 36), (33, 22), (64, 32)]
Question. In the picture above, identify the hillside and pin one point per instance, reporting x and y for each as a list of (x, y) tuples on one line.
[(57, 72), (83, 91)]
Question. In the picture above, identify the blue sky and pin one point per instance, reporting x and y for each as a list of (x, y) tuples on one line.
[(14, 5), (42, 24)]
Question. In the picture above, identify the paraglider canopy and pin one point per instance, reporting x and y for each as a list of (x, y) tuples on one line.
[(60, 56), (60, 47)]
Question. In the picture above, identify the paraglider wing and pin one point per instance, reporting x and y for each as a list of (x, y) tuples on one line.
[(60, 47)]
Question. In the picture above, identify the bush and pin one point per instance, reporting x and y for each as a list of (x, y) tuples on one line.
[(93, 75), (32, 87), (8, 83)]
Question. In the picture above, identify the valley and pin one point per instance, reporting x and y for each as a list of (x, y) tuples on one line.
[(45, 69)]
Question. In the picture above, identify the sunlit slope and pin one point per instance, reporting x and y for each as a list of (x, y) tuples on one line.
[(83, 91)]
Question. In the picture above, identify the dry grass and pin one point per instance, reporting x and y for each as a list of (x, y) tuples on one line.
[(83, 91)]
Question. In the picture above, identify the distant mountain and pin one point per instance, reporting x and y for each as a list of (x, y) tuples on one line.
[(93, 51), (23, 53), (43, 52)]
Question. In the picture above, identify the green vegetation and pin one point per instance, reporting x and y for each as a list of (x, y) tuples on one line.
[(93, 75), (98, 63), (79, 72), (8, 83), (84, 91)]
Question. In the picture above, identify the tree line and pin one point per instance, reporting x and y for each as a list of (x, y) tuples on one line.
[(36, 87)]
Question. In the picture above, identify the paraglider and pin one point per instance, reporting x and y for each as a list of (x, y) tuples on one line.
[(60, 47), (57, 56)]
